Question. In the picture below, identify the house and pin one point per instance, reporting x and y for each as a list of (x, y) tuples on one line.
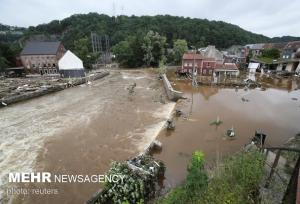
[(278, 46), (289, 65), (203, 66), (211, 52), (252, 67), (254, 49), (290, 60), (235, 54), (290, 50), (42, 57), (70, 66), (227, 69)]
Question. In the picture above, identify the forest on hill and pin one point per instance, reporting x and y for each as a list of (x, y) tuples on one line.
[(75, 32)]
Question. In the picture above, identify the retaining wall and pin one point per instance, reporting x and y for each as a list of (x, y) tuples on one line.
[(173, 95)]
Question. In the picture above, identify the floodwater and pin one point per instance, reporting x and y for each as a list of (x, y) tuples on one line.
[(80, 131), (275, 111)]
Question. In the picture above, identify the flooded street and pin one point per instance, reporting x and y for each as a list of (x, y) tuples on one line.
[(275, 111), (80, 131)]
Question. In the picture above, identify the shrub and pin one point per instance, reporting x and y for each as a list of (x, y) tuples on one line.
[(237, 181), (194, 186)]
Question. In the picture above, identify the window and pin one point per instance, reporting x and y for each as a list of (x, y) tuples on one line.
[(185, 64), (210, 71), (190, 64), (208, 64), (204, 71)]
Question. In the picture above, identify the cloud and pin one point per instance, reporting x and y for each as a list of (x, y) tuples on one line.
[(268, 17)]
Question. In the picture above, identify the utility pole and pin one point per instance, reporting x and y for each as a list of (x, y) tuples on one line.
[(194, 76)]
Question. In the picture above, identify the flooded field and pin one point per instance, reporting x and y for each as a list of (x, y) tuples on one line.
[(274, 110), (80, 131)]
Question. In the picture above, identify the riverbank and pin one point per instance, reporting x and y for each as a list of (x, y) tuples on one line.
[(15, 90)]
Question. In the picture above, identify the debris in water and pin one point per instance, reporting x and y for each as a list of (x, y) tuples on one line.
[(178, 112), (170, 124), (216, 122), (244, 99), (230, 132), (294, 99), (155, 145), (259, 138), (3, 103), (131, 88)]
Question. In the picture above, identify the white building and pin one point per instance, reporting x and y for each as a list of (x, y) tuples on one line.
[(71, 66), (252, 67)]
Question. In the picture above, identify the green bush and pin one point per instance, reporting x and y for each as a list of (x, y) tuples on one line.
[(237, 181), (194, 186)]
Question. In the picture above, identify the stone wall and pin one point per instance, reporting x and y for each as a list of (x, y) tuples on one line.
[(173, 95)]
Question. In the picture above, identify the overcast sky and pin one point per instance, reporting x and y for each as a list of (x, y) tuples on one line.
[(268, 17)]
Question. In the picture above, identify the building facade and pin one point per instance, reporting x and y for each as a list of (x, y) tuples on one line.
[(42, 57), (203, 66), (290, 50)]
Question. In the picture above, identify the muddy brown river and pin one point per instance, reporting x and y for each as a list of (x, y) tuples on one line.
[(274, 111), (80, 131), (83, 129)]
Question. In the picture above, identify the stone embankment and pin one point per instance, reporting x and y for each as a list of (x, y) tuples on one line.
[(173, 95)]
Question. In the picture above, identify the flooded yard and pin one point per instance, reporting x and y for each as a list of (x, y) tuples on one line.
[(274, 111)]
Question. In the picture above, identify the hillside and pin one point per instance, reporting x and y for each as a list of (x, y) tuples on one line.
[(77, 29), (196, 31)]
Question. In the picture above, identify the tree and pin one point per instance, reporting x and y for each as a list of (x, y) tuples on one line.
[(272, 53), (180, 47), (129, 52), (123, 52), (81, 49), (154, 49), (3, 64)]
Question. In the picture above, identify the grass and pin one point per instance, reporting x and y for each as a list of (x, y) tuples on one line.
[(235, 181), (265, 60)]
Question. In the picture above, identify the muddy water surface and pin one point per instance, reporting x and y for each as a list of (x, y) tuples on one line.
[(80, 131), (275, 111)]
